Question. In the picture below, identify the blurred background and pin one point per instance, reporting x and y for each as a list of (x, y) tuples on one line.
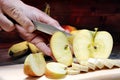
[(104, 14), (82, 14)]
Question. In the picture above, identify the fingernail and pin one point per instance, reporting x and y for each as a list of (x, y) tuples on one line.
[(31, 29)]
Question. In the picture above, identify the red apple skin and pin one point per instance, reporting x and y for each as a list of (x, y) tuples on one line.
[(69, 28)]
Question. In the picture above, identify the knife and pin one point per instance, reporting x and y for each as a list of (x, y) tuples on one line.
[(48, 28)]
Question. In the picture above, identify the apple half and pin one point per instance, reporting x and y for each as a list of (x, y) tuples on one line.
[(55, 70), (61, 49), (92, 44), (34, 65)]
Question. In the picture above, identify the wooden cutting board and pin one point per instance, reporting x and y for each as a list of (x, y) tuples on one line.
[(15, 72)]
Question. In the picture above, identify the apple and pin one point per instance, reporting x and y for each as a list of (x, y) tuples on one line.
[(80, 67), (55, 70), (107, 63), (61, 49), (92, 44), (116, 62), (71, 71), (88, 64), (96, 62), (69, 28), (34, 65), (70, 38)]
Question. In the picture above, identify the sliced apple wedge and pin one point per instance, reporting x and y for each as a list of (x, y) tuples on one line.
[(116, 62), (80, 67), (89, 65), (55, 70), (95, 62), (61, 49), (72, 71), (107, 63), (92, 44), (34, 65)]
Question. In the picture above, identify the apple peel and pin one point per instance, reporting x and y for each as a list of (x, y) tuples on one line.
[(34, 65)]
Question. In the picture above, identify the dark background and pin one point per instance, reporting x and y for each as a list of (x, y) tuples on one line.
[(104, 14)]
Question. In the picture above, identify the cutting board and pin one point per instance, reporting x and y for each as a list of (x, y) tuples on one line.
[(15, 72)]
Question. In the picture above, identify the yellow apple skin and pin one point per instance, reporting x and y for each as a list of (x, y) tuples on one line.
[(52, 75), (34, 65), (56, 70), (28, 70), (61, 48)]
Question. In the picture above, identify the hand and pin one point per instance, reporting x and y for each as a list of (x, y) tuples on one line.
[(35, 39), (23, 14)]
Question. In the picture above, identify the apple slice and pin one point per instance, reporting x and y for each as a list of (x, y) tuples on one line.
[(76, 66), (89, 65), (116, 62), (34, 65), (70, 38), (72, 71), (95, 62), (80, 67), (89, 44), (107, 63), (55, 70), (61, 48)]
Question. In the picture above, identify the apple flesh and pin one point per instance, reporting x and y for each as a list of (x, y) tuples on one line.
[(95, 62), (70, 38), (55, 70), (88, 64), (92, 44), (71, 71), (61, 49), (34, 65)]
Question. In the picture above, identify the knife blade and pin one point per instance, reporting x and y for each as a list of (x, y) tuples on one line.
[(47, 28)]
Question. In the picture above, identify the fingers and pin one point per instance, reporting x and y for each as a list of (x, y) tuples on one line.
[(16, 13), (33, 38), (24, 34), (6, 24), (0, 29), (42, 46)]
